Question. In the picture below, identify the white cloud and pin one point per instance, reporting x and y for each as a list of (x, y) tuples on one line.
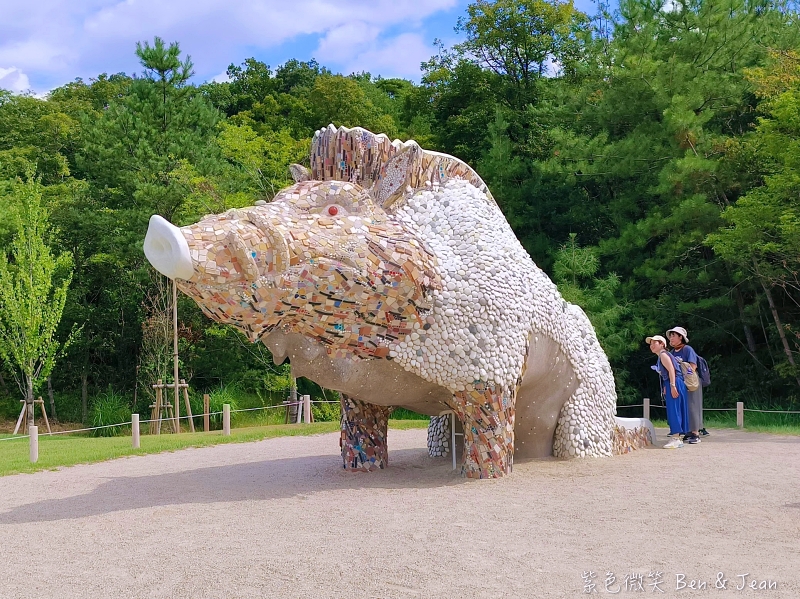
[(341, 43), (54, 41), (396, 57), (221, 78), (14, 80)]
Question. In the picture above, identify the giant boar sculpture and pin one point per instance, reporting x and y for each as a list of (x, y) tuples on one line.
[(388, 272)]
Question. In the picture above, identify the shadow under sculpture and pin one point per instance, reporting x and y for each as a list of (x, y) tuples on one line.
[(388, 272)]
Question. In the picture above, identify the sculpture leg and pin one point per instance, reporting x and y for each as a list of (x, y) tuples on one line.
[(585, 426), (439, 436), (363, 440), (488, 418)]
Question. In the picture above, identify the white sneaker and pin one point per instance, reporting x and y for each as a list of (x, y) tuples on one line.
[(674, 444)]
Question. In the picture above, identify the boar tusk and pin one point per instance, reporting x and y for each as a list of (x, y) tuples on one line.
[(167, 250)]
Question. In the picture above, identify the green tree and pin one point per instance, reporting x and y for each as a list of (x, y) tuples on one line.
[(134, 155), (635, 159), (342, 101), (142, 138), (575, 271), (35, 134), (33, 290), (458, 99), (520, 41), (761, 239), (264, 159)]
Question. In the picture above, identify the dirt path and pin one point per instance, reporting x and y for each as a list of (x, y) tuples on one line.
[(278, 518)]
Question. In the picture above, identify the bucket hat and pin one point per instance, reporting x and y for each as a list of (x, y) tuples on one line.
[(681, 331)]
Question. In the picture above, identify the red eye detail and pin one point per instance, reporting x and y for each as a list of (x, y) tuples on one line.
[(333, 210)]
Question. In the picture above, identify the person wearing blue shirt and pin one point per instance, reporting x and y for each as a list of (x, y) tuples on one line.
[(673, 389), (678, 339)]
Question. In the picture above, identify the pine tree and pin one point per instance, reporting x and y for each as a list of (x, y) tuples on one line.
[(142, 139)]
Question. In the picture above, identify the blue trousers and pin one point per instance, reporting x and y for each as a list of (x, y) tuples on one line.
[(677, 407)]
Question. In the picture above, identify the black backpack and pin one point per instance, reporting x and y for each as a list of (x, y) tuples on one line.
[(702, 372)]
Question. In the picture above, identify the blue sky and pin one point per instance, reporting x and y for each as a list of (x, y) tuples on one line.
[(47, 43)]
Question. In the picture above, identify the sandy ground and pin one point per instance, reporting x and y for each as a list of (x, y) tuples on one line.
[(279, 518)]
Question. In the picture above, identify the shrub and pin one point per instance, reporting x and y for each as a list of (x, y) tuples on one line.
[(109, 408), (10, 407), (227, 394), (327, 412), (404, 414)]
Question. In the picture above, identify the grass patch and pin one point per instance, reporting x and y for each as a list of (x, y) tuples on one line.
[(404, 414), (404, 425), (68, 450)]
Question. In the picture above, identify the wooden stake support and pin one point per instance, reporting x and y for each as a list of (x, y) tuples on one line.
[(162, 409), (22, 421), (185, 388)]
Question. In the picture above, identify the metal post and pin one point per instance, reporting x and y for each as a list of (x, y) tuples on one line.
[(226, 419), (307, 409), (135, 430), (33, 431), (740, 414), (175, 354), (453, 437), (646, 410)]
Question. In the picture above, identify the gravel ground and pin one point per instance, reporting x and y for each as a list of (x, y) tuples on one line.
[(279, 518)]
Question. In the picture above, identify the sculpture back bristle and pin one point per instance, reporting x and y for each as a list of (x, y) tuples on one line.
[(361, 157)]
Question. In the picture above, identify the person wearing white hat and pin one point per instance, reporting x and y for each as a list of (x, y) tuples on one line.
[(673, 389), (678, 340)]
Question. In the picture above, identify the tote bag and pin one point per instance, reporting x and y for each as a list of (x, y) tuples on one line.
[(690, 377)]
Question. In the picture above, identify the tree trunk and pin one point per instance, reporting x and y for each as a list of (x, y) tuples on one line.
[(29, 400), (786, 349), (136, 389), (3, 384), (748, 334), (84, 396), (52, 400)]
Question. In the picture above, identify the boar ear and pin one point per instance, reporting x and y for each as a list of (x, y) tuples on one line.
[(246, 261), (299, 173), (396, 173)]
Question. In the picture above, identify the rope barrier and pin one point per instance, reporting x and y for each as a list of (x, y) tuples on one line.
[(298, 403), (91, 428), (179, 418), (254, 409), (185, 417), (772, 411)]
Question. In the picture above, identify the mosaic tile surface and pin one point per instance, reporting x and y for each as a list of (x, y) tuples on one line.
[(626, 440), (363, 438), (385, 251)]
